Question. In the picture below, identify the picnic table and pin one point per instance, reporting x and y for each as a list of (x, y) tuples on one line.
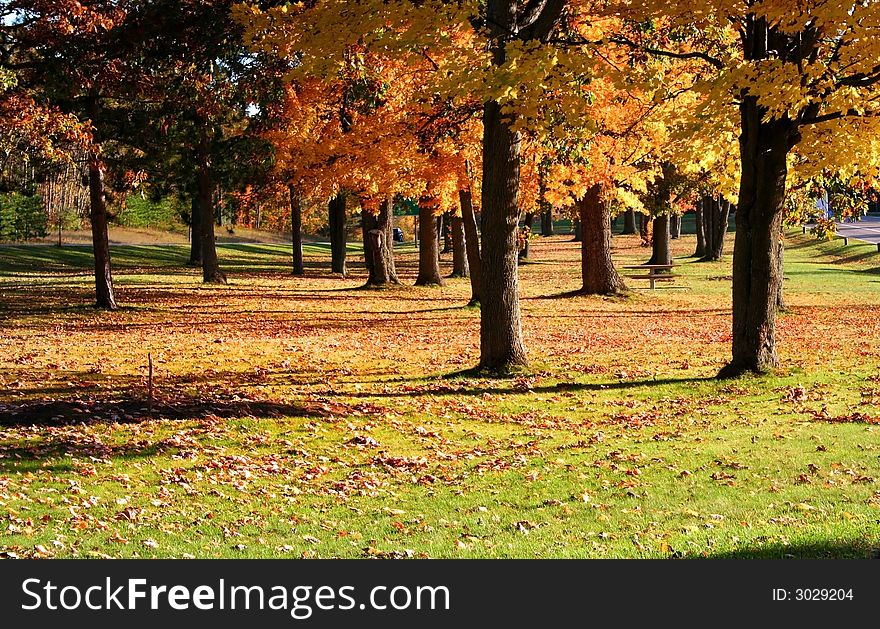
[(656, 273)]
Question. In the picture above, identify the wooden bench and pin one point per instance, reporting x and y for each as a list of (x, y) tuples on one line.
[(655, 273)]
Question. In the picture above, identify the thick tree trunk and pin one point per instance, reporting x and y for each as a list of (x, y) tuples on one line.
[(337, 227), (195, 228), (764, 147), (501, 340), (472, 243), (104, 295), (629, 223), (460, 267), (527, 232), (701, 234), (378, 246), (598, 272), (661, 253), (547, 223), (296, 231), (211, 273), (675, 226), (429, 247)]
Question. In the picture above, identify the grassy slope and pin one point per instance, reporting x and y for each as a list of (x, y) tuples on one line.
[(306, 417)]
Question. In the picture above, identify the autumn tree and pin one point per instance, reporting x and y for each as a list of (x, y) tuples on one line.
[(74, 56), (804, 76)]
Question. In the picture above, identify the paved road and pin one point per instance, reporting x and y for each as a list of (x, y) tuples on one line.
[(867, 230)]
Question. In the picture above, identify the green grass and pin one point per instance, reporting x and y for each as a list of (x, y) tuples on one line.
[(311, 418)]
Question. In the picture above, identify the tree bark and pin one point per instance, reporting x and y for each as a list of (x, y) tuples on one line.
[(460, 267), (701, 234), (764, 147), (675, 226), (429, 247), (547, 222), (211, 273), (195, 227), (629, 223), (105, 298), (296, 231), (597, 269), (472, 243), (338, 245), (661, 253), (378, 246), (501, 341)]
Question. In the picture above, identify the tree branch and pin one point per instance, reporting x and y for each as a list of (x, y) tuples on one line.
[(703, 56), (545, 22)]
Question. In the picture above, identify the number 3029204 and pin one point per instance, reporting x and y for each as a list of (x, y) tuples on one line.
[(813, 594)]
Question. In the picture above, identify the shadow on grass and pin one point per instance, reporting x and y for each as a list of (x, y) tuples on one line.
[(136, 409), (813, 550), (52, 448), (476, 372)]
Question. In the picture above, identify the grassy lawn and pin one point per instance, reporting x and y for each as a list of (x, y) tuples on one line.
[(312, 418)]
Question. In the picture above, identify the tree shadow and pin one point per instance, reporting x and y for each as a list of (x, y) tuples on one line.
[(476, 372), (126, 399), (138, 409), (860, 549), (621, 296)]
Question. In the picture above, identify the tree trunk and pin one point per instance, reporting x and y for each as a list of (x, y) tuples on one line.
[(661, 253), (645, 225), (429, 247), (598, 272), (720, 219), (296, 231), (527, 232), (547, 222), (471, 242), (446, 231), (675, 226), (629, 223), (195, 228), (336, 215), (764, 147), (578, 232), (104, 294), (211, 273), (701, 234), (386, 225), (460, 267), (378, 246), (501, 340)]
